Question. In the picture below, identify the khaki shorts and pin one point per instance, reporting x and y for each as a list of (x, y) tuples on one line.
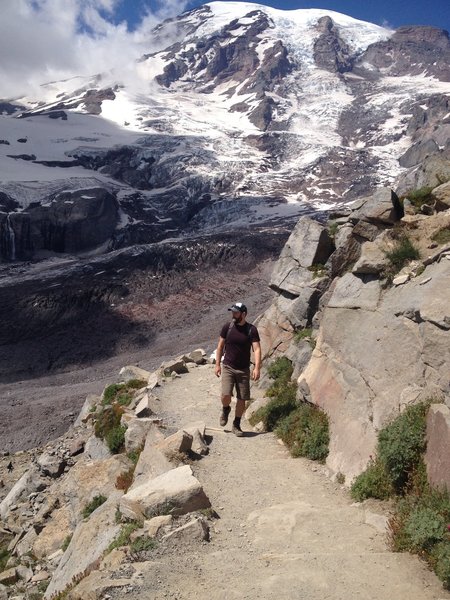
[(236, 378)]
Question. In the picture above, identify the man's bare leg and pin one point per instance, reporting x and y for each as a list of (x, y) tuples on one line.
[(226, 400), (226, 408), (240, 408)]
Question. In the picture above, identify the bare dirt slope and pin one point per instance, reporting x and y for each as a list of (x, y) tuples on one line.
[(285, 530)]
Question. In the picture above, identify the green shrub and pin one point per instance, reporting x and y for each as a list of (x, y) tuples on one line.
[(281, 368), (305, 432), (134, 455), (440, 561), (123, 539), (403, 252), (332, 229), (107, 427), (318, 270), (302, 334), (282, 403), (442, 236), (402, 443), (424, 527), (4, 556), (66, 542), (374, 482), (92, 505), (142, 544), (420, 196), (115, 439), (122, 392)]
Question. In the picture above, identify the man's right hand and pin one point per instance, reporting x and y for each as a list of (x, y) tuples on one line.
[(218, 370)]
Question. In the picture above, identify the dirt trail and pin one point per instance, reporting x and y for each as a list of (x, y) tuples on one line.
[(285, 530)]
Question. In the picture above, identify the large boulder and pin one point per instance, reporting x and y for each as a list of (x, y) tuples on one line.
[(132, 372), (441, 194), (152, 461), (437, 457), (309, 244), (52, 466), (383, 207), (87, 546), (176, 492), (136, 433)]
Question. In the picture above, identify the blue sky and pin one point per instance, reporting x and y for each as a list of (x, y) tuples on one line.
[(394, 12)]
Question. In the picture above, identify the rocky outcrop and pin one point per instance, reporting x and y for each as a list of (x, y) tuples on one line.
[(330, 51), (410, 51), (381, 343), (71, 222)]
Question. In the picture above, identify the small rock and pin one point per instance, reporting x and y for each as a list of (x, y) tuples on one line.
[(41, 576), (131, 372), (143, 409), (181, 441), (195, 530), (152, 526), (9, 576), (400, 279)]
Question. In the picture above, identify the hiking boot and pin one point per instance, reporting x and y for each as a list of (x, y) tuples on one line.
[(237, 430), (224, 416)]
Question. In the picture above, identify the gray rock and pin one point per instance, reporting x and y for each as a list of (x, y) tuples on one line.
[(177, 366), (132, 372), (136, 433), (96, 449), (143, 409), (181, 441), (29, 482), (309, 244), (383, 207), (52, 466), (152, 526), (176, 491), (441, 194), (9, 576), (351, 291), (373, 257), (86, 410), (196, 530)]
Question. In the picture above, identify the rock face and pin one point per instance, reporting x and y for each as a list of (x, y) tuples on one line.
[(379, 347), (437, 458), (72, 222)]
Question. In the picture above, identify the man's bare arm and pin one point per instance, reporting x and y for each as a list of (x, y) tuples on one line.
[(257, 351), (219, 353)]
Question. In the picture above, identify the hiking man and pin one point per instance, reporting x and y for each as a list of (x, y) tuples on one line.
[(237, 338)]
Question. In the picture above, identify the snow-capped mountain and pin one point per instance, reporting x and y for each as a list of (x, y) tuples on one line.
[(239, 115)]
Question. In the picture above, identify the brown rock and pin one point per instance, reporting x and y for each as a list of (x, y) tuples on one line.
[(437, 457)]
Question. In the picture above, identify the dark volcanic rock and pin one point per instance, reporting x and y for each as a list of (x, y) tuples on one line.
[(330, 51), (412, 51), (71, 222)]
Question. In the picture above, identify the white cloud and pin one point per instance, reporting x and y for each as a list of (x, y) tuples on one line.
[(47, 40)]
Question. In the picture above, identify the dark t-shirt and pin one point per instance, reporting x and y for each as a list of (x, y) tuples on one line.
[(238, 344)]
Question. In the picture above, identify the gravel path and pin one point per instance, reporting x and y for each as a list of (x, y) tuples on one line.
[(285, 530)]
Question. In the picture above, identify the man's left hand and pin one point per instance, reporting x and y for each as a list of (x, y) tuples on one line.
[(255, 374)]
